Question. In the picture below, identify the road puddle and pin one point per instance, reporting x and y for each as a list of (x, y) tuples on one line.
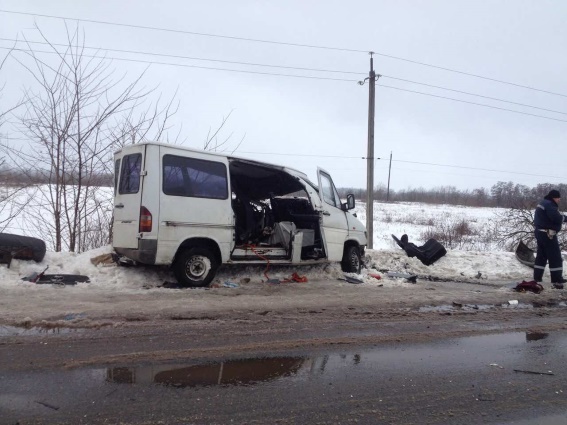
[(232, 372), (486, 373)]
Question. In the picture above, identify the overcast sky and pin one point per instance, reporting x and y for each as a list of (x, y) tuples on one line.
[(322, 121)]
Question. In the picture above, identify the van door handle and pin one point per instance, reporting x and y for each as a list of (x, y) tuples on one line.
[(326, 212), (119, 206)]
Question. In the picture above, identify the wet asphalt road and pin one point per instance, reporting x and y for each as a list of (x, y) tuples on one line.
[(516, 377)]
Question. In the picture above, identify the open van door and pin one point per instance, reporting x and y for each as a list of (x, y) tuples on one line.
[(129, 169), (334, 220)]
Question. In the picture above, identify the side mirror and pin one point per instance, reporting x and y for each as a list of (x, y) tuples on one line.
[(349, 205)]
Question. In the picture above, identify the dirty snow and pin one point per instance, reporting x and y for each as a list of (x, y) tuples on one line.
[(115, 290)]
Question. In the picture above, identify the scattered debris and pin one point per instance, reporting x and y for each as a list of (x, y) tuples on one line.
[(529, 286), (350, 279), (410, 277), (293, 278), (496, 365), (525, 255), (375, 276), (513, 302), (535, 372), (47, 405), (428, 253), (58, 279), (105, 260)]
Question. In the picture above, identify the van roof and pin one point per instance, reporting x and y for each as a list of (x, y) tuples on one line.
[(290, 170)]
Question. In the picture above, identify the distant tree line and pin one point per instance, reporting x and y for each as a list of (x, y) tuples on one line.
[(18, 178), (502, 194)]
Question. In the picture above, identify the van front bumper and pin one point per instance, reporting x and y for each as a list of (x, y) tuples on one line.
[(145, 254)]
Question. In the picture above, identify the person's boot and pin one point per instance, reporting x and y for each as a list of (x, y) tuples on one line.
[(558, 284)]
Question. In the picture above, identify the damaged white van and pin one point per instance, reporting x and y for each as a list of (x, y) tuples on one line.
[(195, 210)]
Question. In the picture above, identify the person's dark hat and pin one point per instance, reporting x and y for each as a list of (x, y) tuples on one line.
[(553, 194)]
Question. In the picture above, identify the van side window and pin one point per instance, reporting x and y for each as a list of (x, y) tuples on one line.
[(116, 171), (330, 195), (192, 177), (130, 174)]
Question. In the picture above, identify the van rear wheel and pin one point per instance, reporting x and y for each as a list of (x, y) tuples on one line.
[(195, 267), (351, 260)]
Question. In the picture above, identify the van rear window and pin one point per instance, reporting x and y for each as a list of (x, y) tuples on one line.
[(116, 173), (192, 177), (130, 174)]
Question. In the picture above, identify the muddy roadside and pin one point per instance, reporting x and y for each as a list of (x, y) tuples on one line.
[(162, 326)]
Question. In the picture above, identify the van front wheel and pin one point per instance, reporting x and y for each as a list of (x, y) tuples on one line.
[(195, 267), (351, 260)]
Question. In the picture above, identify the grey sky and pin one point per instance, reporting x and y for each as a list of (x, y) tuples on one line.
[(290, 120)]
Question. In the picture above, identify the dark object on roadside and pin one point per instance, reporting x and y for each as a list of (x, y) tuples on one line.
[(529, 286), (58, 279), (351, 279), (525, 255), (534, 372), (20, 248), (428, 253), (408, 276)]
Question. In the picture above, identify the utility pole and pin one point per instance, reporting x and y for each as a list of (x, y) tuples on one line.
[(389, 171), (370, 155)]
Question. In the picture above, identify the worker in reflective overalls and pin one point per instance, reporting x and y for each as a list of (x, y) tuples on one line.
[(547, 222)]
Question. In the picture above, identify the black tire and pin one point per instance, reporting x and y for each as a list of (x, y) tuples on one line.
[(22, 247), (351, 262), (195, 267)]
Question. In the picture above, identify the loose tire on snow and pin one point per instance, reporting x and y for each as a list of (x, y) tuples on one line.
[(351, 260), (195, 267), (22, 247)]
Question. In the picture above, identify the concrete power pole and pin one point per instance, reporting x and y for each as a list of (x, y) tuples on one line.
[(370, 155), (389, 171)]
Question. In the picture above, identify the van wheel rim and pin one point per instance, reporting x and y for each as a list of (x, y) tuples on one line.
[(198, 267), (354, 261)]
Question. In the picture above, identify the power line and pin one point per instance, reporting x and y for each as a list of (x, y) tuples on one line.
[(256, 40), (473, 168), (189, 57), (293, 76), (474, 94), (298, 154), (202, 34), (193, 66), (285, 67), (472, 103)]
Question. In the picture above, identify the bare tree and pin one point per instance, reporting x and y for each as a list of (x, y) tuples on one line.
[(75, 119), (212, 142)]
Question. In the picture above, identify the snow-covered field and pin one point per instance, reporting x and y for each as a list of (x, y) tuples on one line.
[(414, 218)]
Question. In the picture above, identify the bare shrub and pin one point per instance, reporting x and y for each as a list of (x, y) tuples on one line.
[(459, 234), (515, 224)]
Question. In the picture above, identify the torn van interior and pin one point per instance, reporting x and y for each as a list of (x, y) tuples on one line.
[(272, 209)]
